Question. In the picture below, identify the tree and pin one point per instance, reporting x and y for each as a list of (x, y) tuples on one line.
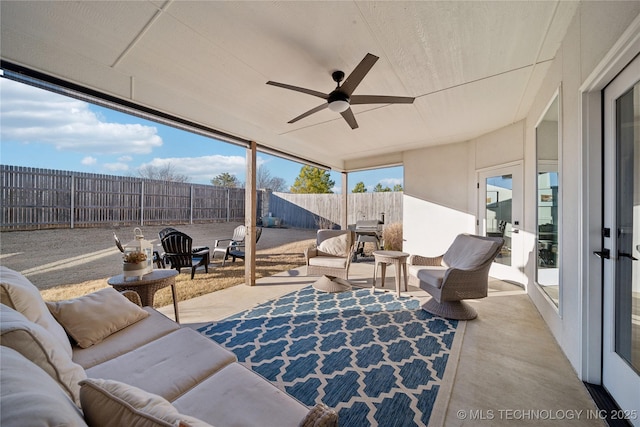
[(359, 188), (397, 187), (313, 180), (265, 180), (162, 173), (379, 189), (225, 179)]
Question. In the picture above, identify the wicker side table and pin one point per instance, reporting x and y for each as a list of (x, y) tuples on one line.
[(148, 286), (398, 259)]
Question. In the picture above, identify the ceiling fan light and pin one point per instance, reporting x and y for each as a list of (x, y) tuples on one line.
[(339, 106)]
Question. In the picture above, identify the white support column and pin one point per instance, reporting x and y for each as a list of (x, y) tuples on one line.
[(250, 217), (345, 205)]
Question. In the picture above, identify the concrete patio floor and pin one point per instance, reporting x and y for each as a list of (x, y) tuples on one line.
[(510, 370)]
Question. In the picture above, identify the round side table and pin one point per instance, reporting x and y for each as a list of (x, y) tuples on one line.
[(148, 286), (398, 259)]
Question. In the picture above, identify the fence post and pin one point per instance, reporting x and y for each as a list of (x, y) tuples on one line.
[(73, 199), (228, 204), (141, 203), (191, 204)]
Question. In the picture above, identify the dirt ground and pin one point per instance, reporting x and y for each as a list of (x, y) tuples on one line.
[(51, 258)]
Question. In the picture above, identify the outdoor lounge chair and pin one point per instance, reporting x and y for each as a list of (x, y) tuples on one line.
[(332, 255), (225, 246), (159, 258), (237, 251), (461, 273), (179, 253)]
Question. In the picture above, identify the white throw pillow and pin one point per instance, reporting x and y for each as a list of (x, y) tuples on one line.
[(336, 246), (17, 292), (39, 346), (29, 397), (91, 318), (108, 403)]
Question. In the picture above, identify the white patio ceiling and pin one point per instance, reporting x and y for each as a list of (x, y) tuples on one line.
[(472, 66)]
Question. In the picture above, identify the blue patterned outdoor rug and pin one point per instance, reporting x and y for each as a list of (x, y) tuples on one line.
[(375, 358)]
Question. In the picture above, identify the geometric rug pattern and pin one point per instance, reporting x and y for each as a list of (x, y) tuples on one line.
[(374, 358)]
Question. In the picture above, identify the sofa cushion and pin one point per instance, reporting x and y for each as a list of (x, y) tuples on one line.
[(328, 261), (17, 292), (239, 397), (29, 397), (432, 275), (108, 403), (468, 252), (336, 246), (168, 366), (40, 347), (146, 330), (91, 318)]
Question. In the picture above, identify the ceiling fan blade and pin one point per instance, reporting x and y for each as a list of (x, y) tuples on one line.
[(376, 99), (299, 89), (356, 76), (350, 118), (310, 112)]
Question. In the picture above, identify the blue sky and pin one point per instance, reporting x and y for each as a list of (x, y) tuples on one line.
[(41, 129)]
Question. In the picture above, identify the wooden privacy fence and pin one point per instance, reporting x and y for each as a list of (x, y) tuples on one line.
[(43, 198), (325, 210)]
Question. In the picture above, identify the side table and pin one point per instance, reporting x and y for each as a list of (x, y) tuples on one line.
[(398, 259), (148, 286)]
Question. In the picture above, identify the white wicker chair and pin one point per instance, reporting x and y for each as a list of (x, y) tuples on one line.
[(332, 255), (460, 273)]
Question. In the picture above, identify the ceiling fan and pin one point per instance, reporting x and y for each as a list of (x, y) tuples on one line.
[(341, 98)]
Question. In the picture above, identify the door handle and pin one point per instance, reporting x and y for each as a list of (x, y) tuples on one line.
[(626, 255), (603, 254)]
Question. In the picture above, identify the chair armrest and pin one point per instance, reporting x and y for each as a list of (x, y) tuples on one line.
[(426, 261), (310, 252), (218, 241), (133, 297)]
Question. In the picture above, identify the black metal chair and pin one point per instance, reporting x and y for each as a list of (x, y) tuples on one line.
[(160, 259), (178, 251)]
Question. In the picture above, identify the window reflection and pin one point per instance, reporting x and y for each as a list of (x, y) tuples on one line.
[(547, 202)]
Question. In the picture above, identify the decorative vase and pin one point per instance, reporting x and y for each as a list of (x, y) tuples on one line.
[(134, 269)]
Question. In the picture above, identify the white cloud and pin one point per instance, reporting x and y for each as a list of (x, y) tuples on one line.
[(31, 115), (88, 161), (390, 182), (203, 169), (116, 167), (125, 158)]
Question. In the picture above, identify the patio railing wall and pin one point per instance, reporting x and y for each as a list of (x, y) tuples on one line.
[(34, 199)]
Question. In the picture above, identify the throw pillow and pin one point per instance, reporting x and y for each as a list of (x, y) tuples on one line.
[(336, 246), (39, 346), (108, 403), (29, 397), (91, 318), (17, 292)]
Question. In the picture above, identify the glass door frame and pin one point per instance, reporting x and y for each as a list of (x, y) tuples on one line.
[(515, 271), (618, 377)]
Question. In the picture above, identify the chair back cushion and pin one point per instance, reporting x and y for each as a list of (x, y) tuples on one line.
[(40, 347), (17, 292), (468, 252), (334, 242)]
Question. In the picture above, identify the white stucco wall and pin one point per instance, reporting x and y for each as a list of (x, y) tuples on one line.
[(440, 182)]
